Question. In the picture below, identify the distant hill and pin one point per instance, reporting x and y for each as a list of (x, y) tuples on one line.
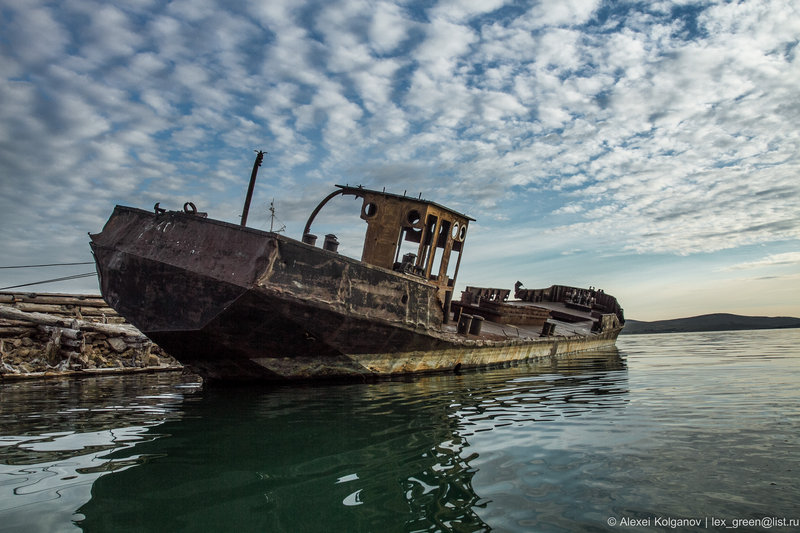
[(714, 322)]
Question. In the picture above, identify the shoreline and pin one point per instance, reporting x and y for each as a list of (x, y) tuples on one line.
[(92, 372)]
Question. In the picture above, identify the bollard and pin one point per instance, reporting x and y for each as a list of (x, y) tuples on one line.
[(475, 327), (331, 243), (464, 322)]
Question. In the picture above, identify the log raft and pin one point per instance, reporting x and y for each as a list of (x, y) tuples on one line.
[(44, 335)]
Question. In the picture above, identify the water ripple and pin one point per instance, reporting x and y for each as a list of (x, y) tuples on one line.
[(670, 425)]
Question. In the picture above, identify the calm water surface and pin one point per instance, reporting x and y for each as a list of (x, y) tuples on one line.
[(697, 426)]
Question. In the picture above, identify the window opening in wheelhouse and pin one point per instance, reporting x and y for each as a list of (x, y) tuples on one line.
[(458, 234), (408, 243), (427, 250), (441, 242)]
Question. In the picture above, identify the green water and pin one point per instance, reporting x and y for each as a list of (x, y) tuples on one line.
[(698, 426)]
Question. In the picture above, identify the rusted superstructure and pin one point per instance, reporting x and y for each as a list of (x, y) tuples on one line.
[(234, 302), (392, 220)]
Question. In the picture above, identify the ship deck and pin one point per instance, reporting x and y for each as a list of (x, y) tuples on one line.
[(568, 321)]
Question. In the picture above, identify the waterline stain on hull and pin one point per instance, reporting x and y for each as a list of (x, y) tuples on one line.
[(376, 366)]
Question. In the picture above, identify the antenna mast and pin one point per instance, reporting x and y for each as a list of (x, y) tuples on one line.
[(272, 218)]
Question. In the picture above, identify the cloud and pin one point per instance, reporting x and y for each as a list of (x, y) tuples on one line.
[(461, 11), (34, 35), (444, 45), (782, 259), (646, 128), (389, 27), (109, 34), (555, 14)]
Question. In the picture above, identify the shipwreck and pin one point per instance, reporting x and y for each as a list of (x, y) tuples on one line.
[(236, 303)]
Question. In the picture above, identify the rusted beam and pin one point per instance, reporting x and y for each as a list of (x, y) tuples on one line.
[(319, 207), (256, 164)]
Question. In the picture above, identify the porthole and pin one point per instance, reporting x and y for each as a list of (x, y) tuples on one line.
[(454, 231), (404, 299), (370, 210), (413, 217), (462, 233)]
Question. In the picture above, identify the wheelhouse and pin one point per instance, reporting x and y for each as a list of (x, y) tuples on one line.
[(406, 234)]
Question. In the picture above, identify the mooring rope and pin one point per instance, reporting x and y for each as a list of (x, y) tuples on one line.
[(49, 265), (65, 278)]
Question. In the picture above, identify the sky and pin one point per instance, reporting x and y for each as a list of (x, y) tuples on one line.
[(649, 148)]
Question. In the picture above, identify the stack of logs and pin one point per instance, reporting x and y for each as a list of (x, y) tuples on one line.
[(57, 334)]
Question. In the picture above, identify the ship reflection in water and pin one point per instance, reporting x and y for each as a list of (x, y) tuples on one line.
[(155, 453)]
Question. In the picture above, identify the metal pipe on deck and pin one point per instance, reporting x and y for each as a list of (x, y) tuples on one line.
[(256, 164)]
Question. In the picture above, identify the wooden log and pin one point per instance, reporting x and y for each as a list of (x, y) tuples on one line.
[(66, 309), (51, 320), (97, 311), (43, 308), (8, 331), (110, 320), (54, 299), (67, 333), (6, 322)]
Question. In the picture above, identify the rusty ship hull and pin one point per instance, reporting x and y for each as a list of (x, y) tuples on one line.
[(235, 303)]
